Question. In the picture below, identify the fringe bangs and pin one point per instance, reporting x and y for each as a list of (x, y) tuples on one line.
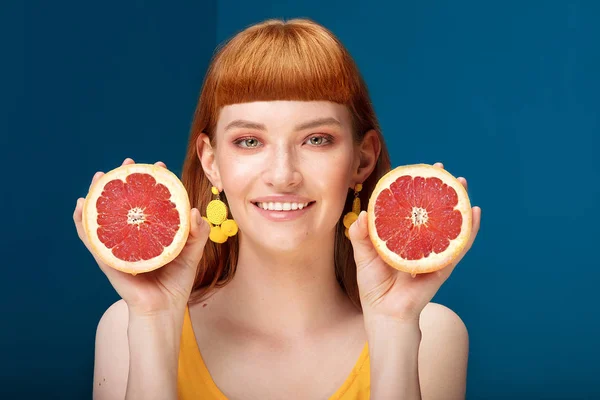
[(284, 62)]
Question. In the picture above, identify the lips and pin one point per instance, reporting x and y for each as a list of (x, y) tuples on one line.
[(283, 215)]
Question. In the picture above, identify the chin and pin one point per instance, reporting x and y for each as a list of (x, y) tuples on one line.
[(281, 242)]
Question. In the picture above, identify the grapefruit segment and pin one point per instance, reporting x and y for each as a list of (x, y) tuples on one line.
[(137, 217), (419, 218)]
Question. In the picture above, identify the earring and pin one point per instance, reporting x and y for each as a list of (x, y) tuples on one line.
[(216, 215), (352, 216)]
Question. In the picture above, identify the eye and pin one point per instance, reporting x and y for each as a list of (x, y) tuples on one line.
[(247, 142), (320, 140)]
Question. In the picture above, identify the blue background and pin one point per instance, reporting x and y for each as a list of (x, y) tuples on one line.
[(505, 93)]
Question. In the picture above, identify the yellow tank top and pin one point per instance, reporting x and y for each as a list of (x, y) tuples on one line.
[(194, 380)]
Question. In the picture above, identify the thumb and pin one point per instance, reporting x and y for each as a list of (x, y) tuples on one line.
[(364, 252), (194, 247)]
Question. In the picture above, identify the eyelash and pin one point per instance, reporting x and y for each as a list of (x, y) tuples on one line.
[(328, 140)]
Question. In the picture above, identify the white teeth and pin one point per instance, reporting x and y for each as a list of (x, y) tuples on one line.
[(282, 206)]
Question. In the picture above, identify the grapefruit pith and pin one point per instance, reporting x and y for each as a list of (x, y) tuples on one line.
[(137, 217), (419, 218)]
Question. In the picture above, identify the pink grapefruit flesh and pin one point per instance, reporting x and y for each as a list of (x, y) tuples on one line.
[(419, 218), (137, 217)]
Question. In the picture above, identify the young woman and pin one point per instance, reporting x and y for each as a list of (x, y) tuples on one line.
[(289, 308)]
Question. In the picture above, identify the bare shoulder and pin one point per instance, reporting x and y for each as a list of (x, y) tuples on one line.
[(437, 319), (111, 358), (116, 313), (443, 354)]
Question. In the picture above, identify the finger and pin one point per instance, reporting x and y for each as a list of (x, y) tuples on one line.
[(476, 213), (463, 182), (128, 161), (194, 247), (364, 252), (77, 218), (161, 164), (439, 165), (95, 178)]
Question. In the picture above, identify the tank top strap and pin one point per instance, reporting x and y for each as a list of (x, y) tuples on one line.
[(193, 378)]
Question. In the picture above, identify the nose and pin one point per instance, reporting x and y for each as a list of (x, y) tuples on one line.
[(281, 171)]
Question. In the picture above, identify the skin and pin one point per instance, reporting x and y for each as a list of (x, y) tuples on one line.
[(283, 320)]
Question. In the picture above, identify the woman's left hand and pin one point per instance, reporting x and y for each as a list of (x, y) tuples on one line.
[(387, 292)]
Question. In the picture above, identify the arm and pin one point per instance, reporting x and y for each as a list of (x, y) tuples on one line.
[(424, 359), (393, 354), (136, 356), (414, 355), (137, 339)]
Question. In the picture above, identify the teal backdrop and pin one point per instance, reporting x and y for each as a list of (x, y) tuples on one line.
[(505, 93)]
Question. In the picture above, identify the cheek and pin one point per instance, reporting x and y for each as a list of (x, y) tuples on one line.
[(235, 170), (335, 168), (331, 176)]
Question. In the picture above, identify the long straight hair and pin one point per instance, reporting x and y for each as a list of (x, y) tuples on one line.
[(277, 60)]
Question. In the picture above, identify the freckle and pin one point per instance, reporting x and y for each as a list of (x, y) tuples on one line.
[(204, 305)]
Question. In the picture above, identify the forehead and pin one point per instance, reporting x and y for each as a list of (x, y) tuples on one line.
[(283, 113)]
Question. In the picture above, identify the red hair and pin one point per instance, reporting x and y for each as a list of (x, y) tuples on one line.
[(276, 60)]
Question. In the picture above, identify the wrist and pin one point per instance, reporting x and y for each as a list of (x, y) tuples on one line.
[(383, 328), (156, 328), (158, 314), (163, 328), (376, 320)]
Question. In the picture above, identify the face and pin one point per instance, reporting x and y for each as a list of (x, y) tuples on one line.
[(285, 167)]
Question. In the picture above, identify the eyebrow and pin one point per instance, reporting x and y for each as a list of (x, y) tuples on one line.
[(240, 123)]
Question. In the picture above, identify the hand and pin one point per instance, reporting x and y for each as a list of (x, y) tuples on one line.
[(385, 291), (163, 289)]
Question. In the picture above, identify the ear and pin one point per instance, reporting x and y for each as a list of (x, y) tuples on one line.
[(206, 155), (366, 156)]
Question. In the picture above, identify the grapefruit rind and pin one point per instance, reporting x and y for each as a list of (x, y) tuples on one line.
[(433, 262), (179, 197)]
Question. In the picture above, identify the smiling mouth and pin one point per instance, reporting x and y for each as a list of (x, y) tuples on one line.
[(277, 206)]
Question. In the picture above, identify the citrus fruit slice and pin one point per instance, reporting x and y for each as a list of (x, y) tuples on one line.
[(419, 218), (137, 217)]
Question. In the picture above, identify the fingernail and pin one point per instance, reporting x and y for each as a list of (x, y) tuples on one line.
[(198, 217)]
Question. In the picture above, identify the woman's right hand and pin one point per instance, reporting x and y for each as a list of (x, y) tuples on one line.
[(163, 290)]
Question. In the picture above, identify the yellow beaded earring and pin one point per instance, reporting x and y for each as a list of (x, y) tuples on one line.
[(216, 215), (352, 216)]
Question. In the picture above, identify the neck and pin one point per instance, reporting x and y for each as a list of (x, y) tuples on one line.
[(286, 293)]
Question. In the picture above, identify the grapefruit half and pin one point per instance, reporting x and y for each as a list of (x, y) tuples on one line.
[(419, 218), (137, 217)]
